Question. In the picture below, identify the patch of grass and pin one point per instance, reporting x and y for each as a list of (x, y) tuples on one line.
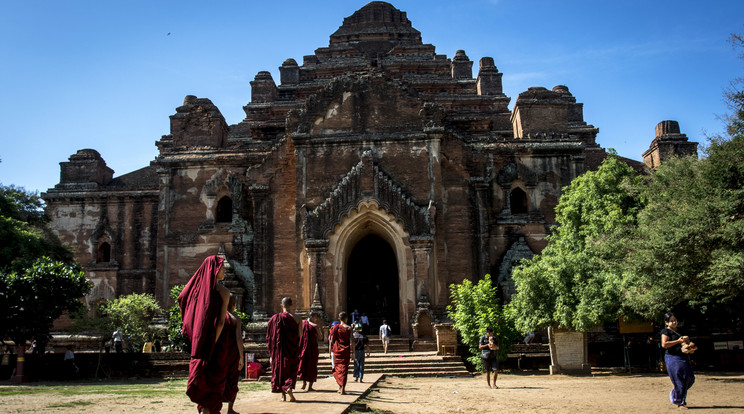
[(145, 389), (254, 386), (70, 404), (19, 391)]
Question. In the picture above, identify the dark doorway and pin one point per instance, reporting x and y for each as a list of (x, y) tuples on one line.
[(372, 283), (224, 210), (519, 203)]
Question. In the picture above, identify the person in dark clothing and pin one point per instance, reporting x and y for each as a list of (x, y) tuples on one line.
[(361, 349), (677, 361), (489, 346)]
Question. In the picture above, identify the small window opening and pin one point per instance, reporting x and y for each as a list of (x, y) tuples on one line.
[(224, 210), (104, 253), (518, 199)]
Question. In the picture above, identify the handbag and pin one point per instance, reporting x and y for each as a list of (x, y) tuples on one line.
[(688, 347)]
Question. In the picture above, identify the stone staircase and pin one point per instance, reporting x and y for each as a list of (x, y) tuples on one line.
[(400, 360), (413, 364)]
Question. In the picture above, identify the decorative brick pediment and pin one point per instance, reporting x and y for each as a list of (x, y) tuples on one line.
[(366, 181), (513, 171), (369, 104)]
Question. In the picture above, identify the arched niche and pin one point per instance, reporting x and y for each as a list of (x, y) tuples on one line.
[(103, 254), (519, 201), (224, 210), (364, 220)]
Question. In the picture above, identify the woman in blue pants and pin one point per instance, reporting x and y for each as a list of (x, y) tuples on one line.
[(677, 362)]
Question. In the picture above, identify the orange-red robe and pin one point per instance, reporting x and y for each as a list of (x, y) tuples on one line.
[(232, 358), (341, 337), (201, 305), (282, 340), (308, 370)]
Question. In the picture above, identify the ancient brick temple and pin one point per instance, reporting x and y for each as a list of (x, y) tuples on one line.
[(372, 176)]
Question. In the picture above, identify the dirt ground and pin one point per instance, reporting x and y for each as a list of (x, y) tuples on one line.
[(534, 393), (542, 393)]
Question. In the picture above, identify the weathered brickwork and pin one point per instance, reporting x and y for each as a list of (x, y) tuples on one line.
[(374, 135)]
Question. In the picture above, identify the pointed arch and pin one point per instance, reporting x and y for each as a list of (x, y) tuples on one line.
[(368, 218)]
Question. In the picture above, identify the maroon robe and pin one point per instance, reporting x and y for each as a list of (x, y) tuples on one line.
[(341, 337), (200, 305), (282, 340), (308, 370), (232, 358)]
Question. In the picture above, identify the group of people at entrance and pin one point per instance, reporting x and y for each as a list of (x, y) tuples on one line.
[(293, 350), (216, 345)]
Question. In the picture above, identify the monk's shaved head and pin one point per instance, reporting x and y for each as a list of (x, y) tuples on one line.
[(286, 302)]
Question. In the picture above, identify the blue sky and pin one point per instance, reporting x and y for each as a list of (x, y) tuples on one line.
[(106, 74)]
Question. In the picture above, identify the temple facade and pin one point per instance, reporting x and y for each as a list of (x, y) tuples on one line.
[(372, 176)]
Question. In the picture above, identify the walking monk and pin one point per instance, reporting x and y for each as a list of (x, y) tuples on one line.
[(341, 349), (203, 304), (311, 332), (283, 337), (234, 357)]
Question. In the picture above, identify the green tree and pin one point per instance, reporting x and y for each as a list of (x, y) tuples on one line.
[(689, 248), (475, 307), (133, 314), (24, 229), (38, 280), (34, 294), (175, 322), (574, 282)]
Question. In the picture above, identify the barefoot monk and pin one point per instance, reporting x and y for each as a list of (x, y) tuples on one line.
[(282, 338), (203, 304), (311, 332)]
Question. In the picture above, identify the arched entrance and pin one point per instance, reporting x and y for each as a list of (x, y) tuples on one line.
[(372, 282)]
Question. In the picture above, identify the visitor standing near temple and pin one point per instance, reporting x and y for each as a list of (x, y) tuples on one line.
[(203, 302), (489, 346), (309, 352), (385, 335), (355, 316), (282, 338), (234, 354), (330, 350), (71, 369), (118, 338), (365, 323), (677, 361), (341, 349), (361, 349)]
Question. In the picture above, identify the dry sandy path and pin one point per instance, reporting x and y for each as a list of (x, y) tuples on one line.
[(542, 393), (519, 393)]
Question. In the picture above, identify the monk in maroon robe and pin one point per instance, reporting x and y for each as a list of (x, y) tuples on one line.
[(311, 332), (341, 349), (203, 304), (234, 355), (282, 338)]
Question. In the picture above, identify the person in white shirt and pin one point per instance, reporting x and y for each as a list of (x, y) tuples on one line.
[(385, 335), (118, 338), (69, 360)]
